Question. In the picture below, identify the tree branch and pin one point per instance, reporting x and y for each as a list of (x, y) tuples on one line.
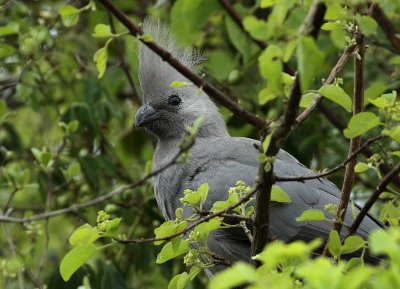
[(387, 26), (123, 64), (185, 71), (194, 224), (334, 169), (100, 199), (331, 78), (373, 198), (279, 134), (358, 104)]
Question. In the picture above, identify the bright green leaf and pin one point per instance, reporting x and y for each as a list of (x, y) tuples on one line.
[(102, 31), (266, 95), (179, 281), (329, 26), (312, 215), (256, 27), (270, 65), (112, 226), (334, 243), (279, 195), (203, 191), (367, 24), (352, 244), (307, 99), (337, 95), (168, 252), (361, 123), (361, 167), (85, 234), (238, 274), (178, 84), (146, 37), (69, 15), (310, 59), (75, 259)]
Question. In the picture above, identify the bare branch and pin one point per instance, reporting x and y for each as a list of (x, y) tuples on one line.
[(373, 198), (211, 90), (123, 64), (100, 199), (358, 104), (334, 169), (279, 134), (331, 78), (387, 27)]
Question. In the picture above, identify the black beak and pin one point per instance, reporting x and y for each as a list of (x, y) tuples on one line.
[(145, 114)]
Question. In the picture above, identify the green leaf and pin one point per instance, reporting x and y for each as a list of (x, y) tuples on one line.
[(352, 244), (6, 50), (203, 191), (3, 109), (234, 276), (84, 234), (334, 243), (100, 58), (354, 263), (361, 167), (146, 37), (310, 59), (69, 15), (386, 242), (268, 3), (279, 195), (188, 18), (179, 281), (102, 31), (374, 90), (178, 84), (270, 65), (329, 26), (361, 123), (75, 259), (168, 228), (367, 25), (337, 95), (394, 133), (168, 252), (9, 29), (312, 215), (307, 99), (266, 95), (112, 227), (205, 228), (257, 28)]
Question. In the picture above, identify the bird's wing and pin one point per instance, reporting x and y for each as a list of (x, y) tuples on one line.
[(223, 162)]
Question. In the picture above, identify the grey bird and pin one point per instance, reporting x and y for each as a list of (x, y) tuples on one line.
[(217, 158)]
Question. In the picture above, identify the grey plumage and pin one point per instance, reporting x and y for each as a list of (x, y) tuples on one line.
[(216, 157)]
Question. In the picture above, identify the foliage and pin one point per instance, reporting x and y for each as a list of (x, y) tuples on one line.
[(67, 139)]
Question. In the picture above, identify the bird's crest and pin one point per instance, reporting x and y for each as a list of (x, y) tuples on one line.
[(155, 74)]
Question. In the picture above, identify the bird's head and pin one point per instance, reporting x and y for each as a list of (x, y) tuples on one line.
[(168, 110)]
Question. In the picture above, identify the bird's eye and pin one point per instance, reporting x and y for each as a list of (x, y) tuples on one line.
[(174, 100)]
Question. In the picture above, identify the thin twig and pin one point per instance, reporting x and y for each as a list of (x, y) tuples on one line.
[(123, 64), (346, 55), (358, 104), (211, 90), (373, 198), (194, 224), (100, 199), (334, 169), (49, 196)]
